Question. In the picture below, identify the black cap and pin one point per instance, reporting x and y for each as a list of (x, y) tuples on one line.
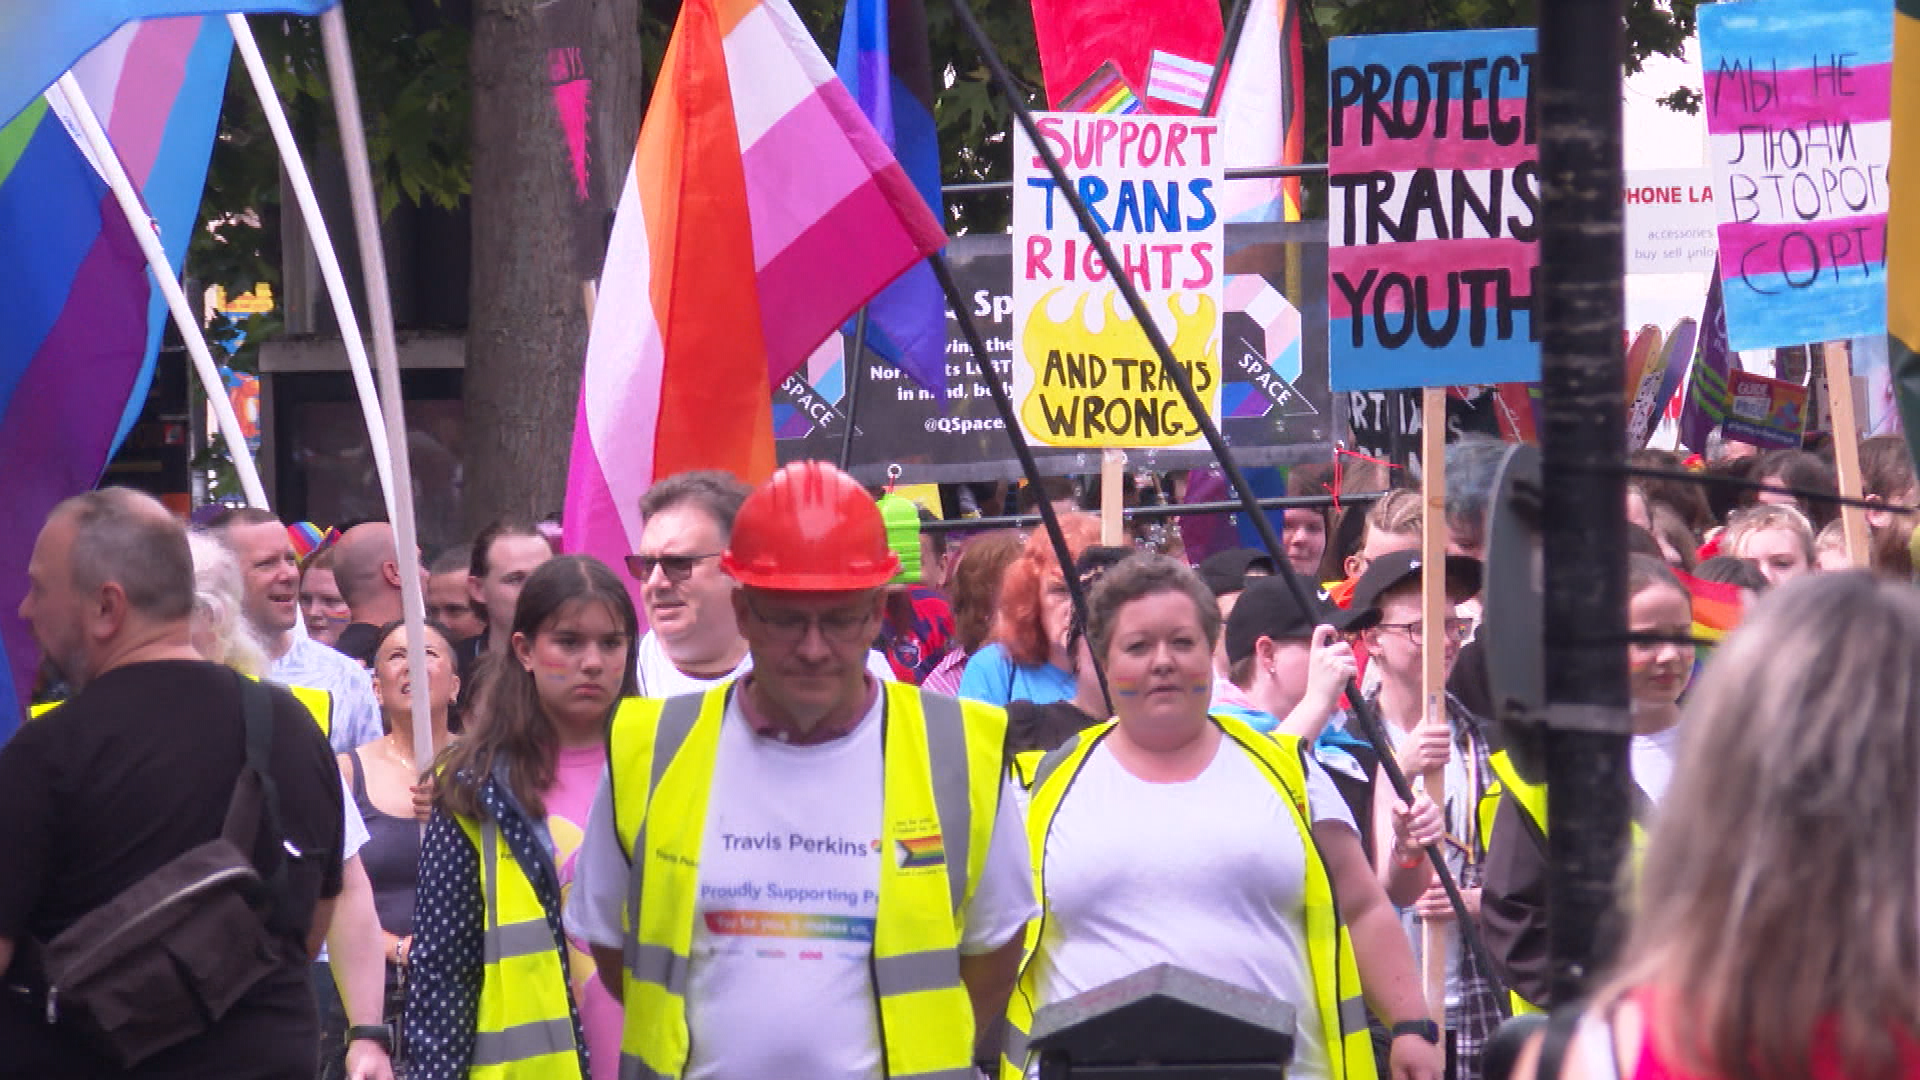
[(1226, 571), (1268, 609), (1396, 568)]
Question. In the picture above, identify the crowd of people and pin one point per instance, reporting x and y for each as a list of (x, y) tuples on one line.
[(825, 798)]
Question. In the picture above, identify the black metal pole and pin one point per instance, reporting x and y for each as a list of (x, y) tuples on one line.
[(1236, 24), (1368, 717), (1154, 513), (1583, 431), (855, 363), (957, 304), (1258, 172)]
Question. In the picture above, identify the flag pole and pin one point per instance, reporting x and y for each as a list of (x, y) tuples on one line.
[(1363, 712), (366, 218), (854, 364), (997, 390), (330, 273), (1236, 24), (143, 232)]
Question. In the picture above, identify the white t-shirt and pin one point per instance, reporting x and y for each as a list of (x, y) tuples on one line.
[(1206, 874), (789, 889), (660, 679), (1652, 757)]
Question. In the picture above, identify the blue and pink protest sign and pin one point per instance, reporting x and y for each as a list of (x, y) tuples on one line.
[(1433, 209), (1798, 96)]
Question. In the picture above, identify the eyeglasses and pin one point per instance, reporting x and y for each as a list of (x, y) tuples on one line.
[(1456, 629), (838, 627), (678, 568)]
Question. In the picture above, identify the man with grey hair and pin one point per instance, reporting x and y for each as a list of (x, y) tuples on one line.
[(271, 574), (693, 641), (134, 770)]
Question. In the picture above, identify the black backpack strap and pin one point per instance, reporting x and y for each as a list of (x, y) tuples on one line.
[(1561, 1027), (256, 794)]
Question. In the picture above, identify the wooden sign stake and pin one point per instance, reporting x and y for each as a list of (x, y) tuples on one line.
[(1434, 610), (1113, 490), (1846, 447)]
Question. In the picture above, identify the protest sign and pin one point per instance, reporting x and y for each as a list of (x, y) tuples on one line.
[(1797, 100), (1084, 375), (1434, 197), (1386, 424), (1274, 405), (1670, 221), (1765, 412)]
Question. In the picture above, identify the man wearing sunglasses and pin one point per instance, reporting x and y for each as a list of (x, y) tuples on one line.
[(826, 873), (1388, 594), (693, 640)]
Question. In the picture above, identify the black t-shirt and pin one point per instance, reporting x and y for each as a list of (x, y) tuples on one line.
[(358, 641), (131, 772)]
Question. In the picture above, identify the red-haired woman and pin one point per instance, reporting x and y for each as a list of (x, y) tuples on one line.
[(1028, 658)]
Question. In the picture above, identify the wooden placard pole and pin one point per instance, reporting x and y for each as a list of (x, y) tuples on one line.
[(1113, 503), (1846, 448), (1434, 610)]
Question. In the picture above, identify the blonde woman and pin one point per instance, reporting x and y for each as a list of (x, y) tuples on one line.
[(1774, 933)]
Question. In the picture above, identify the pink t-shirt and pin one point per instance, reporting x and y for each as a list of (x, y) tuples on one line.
[(576, 779)]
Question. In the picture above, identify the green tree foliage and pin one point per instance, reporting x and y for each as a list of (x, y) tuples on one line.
[(414, 85)]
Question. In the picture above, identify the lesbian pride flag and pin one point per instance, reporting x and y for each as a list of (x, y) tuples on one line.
[(762, 209)]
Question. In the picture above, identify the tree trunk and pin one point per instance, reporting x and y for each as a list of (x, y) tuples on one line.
[(527, 335)]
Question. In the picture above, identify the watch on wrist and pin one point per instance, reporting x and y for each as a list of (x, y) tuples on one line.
[(1427, 1029), (379, 1033)]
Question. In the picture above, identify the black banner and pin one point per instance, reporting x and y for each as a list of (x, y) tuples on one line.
[(1275, 407)]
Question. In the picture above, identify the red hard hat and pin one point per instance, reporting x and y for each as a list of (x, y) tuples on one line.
[(810, 528)]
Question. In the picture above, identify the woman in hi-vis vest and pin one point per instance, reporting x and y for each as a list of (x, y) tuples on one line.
[(496, 990), (1169, 835)]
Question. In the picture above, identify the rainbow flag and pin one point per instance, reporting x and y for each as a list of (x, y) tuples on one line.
[(887, 66), (1105, 91), (1717, 606), (920, 852), (64, 249), (755, 219), (1263, 106), (40, 40)]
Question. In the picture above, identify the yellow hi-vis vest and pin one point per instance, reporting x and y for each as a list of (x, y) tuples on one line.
[(1330, 958), (940, 791), (524, 1028), (1531, 798), (318, 702)]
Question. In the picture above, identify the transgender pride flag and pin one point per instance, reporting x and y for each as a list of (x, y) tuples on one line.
[(1433, 210), (762, 210)]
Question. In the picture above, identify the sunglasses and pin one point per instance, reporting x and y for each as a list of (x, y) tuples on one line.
[(677, 568)]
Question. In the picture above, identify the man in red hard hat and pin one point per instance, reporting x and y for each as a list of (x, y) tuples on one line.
[(805, 871)]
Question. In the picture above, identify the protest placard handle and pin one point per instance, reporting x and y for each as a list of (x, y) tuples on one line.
[(1434, 610), (1846, 448), (1113, 502)]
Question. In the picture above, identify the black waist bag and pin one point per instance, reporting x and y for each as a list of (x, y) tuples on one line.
[(165, 960)]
